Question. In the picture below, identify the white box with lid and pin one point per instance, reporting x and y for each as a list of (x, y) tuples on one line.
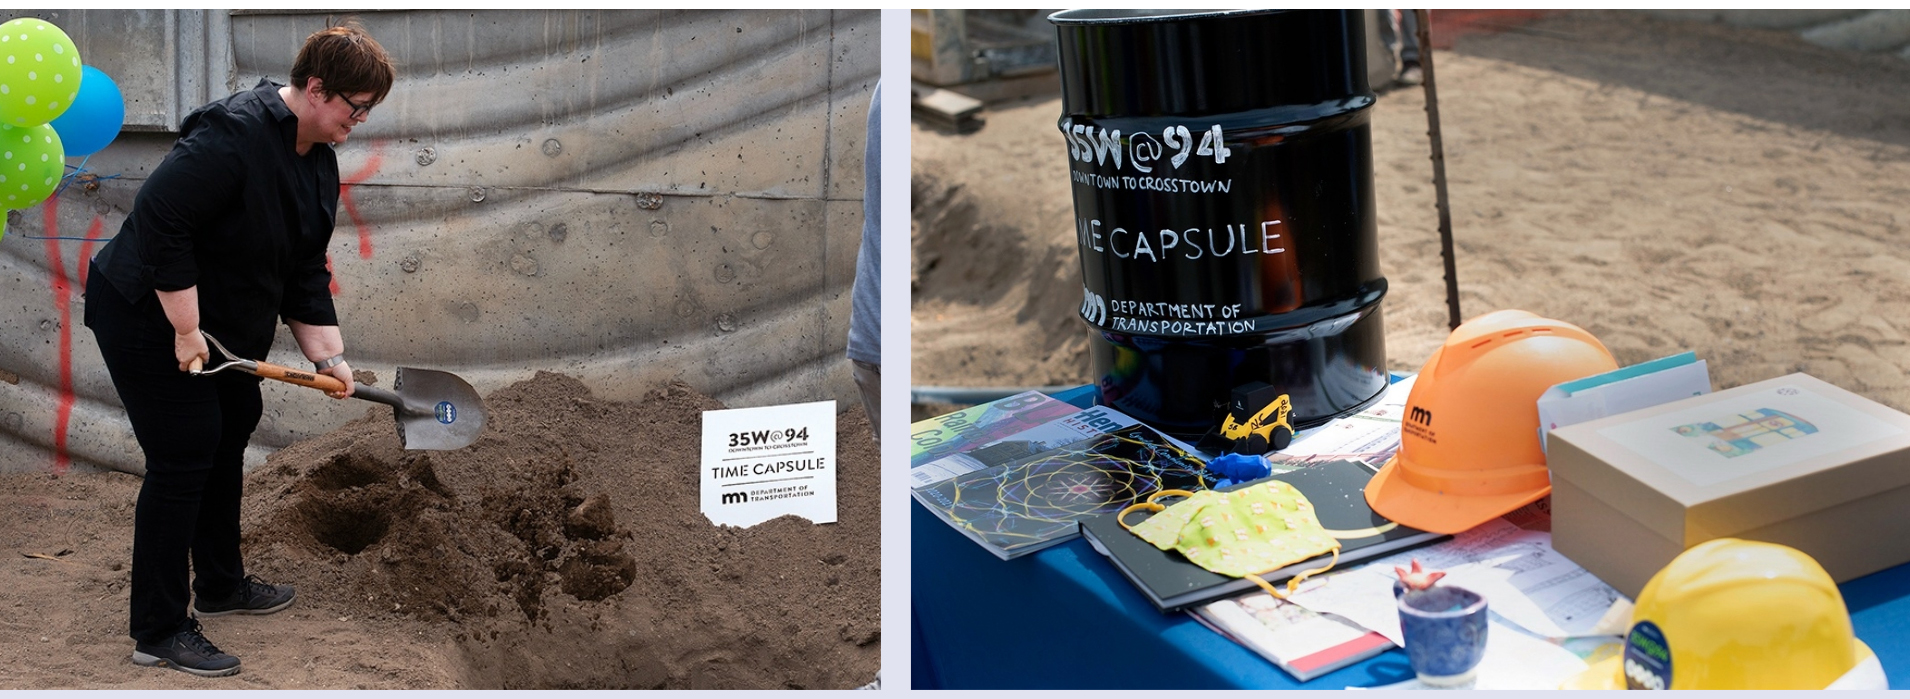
[(1791, 460)]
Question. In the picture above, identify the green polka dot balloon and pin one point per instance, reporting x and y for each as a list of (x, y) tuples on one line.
[(39, 72), (32, 161)]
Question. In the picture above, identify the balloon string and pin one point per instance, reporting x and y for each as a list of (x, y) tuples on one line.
[(78, 171), (31, 236)]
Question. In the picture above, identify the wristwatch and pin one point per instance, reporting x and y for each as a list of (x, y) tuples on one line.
[(335, 360)]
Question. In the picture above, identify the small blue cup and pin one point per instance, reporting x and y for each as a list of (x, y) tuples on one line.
[(1445, 631)]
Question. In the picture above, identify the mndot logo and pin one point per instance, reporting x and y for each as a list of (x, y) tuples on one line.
[(1647, 658)]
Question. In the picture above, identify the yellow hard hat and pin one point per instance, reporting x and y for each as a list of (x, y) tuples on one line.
[(1469, 442), (1734, 614)]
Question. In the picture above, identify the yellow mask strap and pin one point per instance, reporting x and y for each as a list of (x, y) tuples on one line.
[(1294, 583), (1150, 505)]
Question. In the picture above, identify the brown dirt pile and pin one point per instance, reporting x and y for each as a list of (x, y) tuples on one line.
[(565, 549)]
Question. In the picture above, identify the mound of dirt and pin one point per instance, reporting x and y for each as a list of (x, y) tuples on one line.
[(564, 549), (995, 276)]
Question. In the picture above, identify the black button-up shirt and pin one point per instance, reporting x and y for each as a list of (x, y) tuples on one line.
[(236, 211)]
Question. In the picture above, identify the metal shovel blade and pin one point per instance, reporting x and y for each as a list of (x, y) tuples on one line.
[(435, 409)]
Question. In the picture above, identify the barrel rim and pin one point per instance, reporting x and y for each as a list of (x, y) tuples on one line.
[(1092, 17)]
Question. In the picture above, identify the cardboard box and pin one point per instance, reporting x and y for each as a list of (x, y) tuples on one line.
[(1792, 460)]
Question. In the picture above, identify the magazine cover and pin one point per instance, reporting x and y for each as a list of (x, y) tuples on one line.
[(1029, 504), (971, 427), (1053, 434)]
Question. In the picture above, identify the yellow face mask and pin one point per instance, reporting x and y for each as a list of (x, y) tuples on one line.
[(1240, 533)]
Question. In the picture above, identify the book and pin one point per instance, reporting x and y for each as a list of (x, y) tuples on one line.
[(1053, 434), (1337, 491), (974, 426), (1028, 504), (1304, 643)]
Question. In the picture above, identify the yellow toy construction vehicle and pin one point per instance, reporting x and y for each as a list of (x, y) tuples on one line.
[(1266, 431)]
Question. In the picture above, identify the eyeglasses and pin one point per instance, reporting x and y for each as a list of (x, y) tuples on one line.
[(357, 110)]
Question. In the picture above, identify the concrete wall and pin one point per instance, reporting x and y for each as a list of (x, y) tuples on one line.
[(629, 197)]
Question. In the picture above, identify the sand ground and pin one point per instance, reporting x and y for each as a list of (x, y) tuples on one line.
[(1668, 186)]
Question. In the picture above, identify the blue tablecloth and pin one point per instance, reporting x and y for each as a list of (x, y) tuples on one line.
[(1064, 618)]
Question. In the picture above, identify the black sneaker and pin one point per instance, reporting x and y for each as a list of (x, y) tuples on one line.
[(187, 651), (254, 596)]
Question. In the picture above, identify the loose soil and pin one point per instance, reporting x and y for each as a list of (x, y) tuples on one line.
[(565, 549), (1666, 185)]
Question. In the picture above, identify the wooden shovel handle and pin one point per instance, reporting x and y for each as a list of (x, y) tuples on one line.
[(323, 382)]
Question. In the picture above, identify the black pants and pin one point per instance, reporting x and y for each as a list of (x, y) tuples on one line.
[(193, 430)]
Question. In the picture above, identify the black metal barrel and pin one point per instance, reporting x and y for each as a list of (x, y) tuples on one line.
[(1222, 171)]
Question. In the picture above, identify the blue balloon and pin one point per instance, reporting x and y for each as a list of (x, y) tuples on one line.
[(95, 117)]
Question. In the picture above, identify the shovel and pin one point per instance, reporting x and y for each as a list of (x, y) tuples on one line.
[(435, 409)]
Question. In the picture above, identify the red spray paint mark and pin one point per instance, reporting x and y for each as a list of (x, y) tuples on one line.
[(63, 293), (62, 303), (328, 270), (372, 164)]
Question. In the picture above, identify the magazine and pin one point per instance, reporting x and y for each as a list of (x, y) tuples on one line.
[(971, 427), (1302, 642), (1029, 504), (1053, 434)]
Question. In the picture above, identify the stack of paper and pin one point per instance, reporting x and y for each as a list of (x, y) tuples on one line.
[(1548, 616), (1635, 387)]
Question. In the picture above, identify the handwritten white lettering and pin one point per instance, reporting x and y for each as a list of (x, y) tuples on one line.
[(1088, 144), (1164, 318), (1182, 327), (1171, 185), (1189, 243)]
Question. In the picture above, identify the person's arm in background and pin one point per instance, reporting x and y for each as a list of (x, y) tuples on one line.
[(865, 308)]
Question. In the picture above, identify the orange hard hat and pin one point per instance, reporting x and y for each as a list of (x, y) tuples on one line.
[(1469, 444)]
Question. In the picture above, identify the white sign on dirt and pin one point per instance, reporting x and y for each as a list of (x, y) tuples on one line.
[(763, 463)]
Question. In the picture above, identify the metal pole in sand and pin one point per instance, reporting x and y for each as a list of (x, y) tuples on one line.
[(1424, 30)]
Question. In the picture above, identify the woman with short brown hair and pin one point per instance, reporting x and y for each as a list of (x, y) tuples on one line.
[(226, 237)]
